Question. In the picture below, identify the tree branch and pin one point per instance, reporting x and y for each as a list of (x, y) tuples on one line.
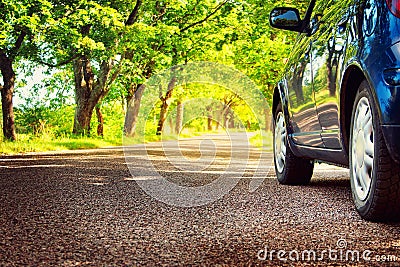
[(134, 14), (206, 18), (115, 74), (62, 63), (160, 93), (19, 40)]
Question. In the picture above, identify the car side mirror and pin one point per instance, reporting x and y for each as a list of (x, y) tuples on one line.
[(286, 18)]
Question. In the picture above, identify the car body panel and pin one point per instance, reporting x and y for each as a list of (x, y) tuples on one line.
[(344, 35), (328, 46), (306, 129)]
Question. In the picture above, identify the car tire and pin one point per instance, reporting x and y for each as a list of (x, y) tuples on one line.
[(374, 176), (289, 169)]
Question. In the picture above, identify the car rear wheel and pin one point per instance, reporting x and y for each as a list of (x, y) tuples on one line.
[(374, 176), (289, 169)]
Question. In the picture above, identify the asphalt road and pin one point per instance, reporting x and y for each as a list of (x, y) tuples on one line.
[(205, 201)]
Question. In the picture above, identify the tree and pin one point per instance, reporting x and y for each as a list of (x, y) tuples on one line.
[(182, 48), (118, 45), (88, 35), (132, 112), (20, 22), (164, 101), (168, 34), (179, 116), (89, 87)]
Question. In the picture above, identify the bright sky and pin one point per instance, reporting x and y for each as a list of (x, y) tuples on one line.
[(37, 77)]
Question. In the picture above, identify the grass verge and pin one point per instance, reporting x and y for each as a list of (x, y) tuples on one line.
[(262, 140), (29, 143)]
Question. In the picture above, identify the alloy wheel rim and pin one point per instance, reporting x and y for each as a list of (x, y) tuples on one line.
[(362, 149), (280, 142)]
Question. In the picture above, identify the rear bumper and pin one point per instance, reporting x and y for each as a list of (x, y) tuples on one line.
[(391, 134)]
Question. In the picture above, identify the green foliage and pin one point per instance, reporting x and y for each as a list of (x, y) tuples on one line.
[(27, 143), (114, 115), (19, 19), (85, 27), (41, 120), (164, 34), (41, 128)]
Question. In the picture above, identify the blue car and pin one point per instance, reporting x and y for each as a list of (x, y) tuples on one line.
[(339, 99)]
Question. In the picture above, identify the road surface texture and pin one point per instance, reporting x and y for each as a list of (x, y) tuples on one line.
[(92, 208)]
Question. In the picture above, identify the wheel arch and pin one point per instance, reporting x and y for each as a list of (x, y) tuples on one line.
[(352, 79), (275, 100)]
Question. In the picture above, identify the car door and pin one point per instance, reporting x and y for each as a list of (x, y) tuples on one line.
[(304, 122), (329, 34)]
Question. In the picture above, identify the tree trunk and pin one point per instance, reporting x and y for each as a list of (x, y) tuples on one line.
[(165, 105), (231, 119), (331, 75), (84, 80), (179, 117), (132, 110), (225, 115), (297, 81), (219, 118), (209, 117), (268, 120), (171, 125), (209, 123), (163, 116), (88, 92), (100, 121), (7, 91)]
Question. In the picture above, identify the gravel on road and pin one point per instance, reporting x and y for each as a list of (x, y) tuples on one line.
[(85, 208)]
